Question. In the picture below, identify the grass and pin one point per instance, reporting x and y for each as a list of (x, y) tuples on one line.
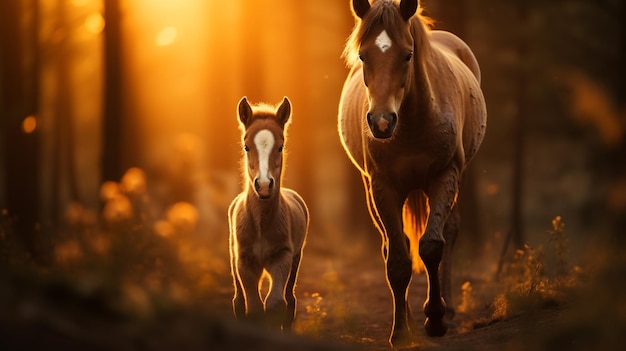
[(528, 284)]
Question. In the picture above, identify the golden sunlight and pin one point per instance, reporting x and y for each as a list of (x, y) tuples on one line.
[(94, 23), (167, 36)]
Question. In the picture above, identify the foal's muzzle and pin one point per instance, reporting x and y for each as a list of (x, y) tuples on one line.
[(382, 124), (264, 188)]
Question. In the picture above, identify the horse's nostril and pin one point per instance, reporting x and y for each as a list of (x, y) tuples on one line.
[(271, 183), (394, 117), (257, 186), (369, 118)]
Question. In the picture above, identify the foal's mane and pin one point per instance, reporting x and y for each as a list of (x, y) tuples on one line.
[(260, 111), (387, 13)]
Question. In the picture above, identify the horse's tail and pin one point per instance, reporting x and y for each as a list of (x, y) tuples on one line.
[(415, 216)]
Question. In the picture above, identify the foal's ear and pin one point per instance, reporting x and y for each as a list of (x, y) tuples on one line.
[(360, 7), (284, 111), (408, 8), (244, 111)]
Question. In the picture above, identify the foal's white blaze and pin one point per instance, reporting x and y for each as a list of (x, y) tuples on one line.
[(264, 141), (383, 41)]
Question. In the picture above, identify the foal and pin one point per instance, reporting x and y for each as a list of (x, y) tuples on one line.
[(268, 224)]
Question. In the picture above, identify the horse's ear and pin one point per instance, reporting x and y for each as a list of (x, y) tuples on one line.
[(408, 8), (244, 111), (360, 7), (284, 111)]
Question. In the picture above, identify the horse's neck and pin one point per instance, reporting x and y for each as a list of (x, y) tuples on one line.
[(421, 84), (264, 211)]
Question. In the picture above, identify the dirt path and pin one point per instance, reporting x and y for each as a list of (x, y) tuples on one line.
[(345, 299)]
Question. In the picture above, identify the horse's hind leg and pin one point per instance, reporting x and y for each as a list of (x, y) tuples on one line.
[(450, 232), (290, 293), (442, 196)]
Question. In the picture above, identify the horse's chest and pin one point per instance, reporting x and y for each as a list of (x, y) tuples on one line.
[(266, 245), (263, 240), (413, 163)]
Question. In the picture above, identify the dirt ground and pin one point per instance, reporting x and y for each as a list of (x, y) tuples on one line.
[(346, 300), (343, 304)]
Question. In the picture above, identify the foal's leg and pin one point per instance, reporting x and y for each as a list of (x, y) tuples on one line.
[(441, 195), (249, 271), (239, 302), (290, 293), (279, 269), (398, 261)]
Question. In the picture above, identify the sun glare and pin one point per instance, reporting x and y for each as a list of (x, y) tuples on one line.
[(167, 36)]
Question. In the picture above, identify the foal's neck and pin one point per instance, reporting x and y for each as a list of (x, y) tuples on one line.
[(263, 209)]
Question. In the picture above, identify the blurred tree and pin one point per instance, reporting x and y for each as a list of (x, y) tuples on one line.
[(112, 115), (515, 236), (64, 163), (18, 108)]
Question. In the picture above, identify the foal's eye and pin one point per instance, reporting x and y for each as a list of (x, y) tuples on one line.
[(280, 148), (246, 148), (409, 57), (361, 58)]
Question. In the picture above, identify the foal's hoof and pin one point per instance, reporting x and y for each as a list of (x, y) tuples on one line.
[(435, 327), (401, 339)]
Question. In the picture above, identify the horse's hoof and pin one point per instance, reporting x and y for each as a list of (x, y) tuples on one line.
[(435, 327), (401, 339)]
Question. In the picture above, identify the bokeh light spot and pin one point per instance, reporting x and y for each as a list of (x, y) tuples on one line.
[(29, 124), (94, 23)]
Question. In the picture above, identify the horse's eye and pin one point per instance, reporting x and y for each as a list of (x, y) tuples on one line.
[(246, 148), (280, 148), (409, 56), (361, 58)]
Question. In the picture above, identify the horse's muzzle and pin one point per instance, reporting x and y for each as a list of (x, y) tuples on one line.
[(382, 125), (264, 188)]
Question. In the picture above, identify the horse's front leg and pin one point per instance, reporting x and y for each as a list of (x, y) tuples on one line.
[(290, 292), (279, 269), (388, 204), (239, 302), (441, 195), (374, 213), (249, 271)]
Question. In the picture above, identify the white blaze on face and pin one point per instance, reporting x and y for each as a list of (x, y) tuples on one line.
[(264, 142), (383, 41)]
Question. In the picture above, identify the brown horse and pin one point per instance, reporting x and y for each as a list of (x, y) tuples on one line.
[(411, 117), (268, 223)]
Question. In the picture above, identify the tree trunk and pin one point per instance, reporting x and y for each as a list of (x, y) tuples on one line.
[(516, 235), (18, 100), (112, 128)]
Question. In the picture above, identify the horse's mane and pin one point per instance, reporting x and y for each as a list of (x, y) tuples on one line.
[(262, 110), (387, 13)]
